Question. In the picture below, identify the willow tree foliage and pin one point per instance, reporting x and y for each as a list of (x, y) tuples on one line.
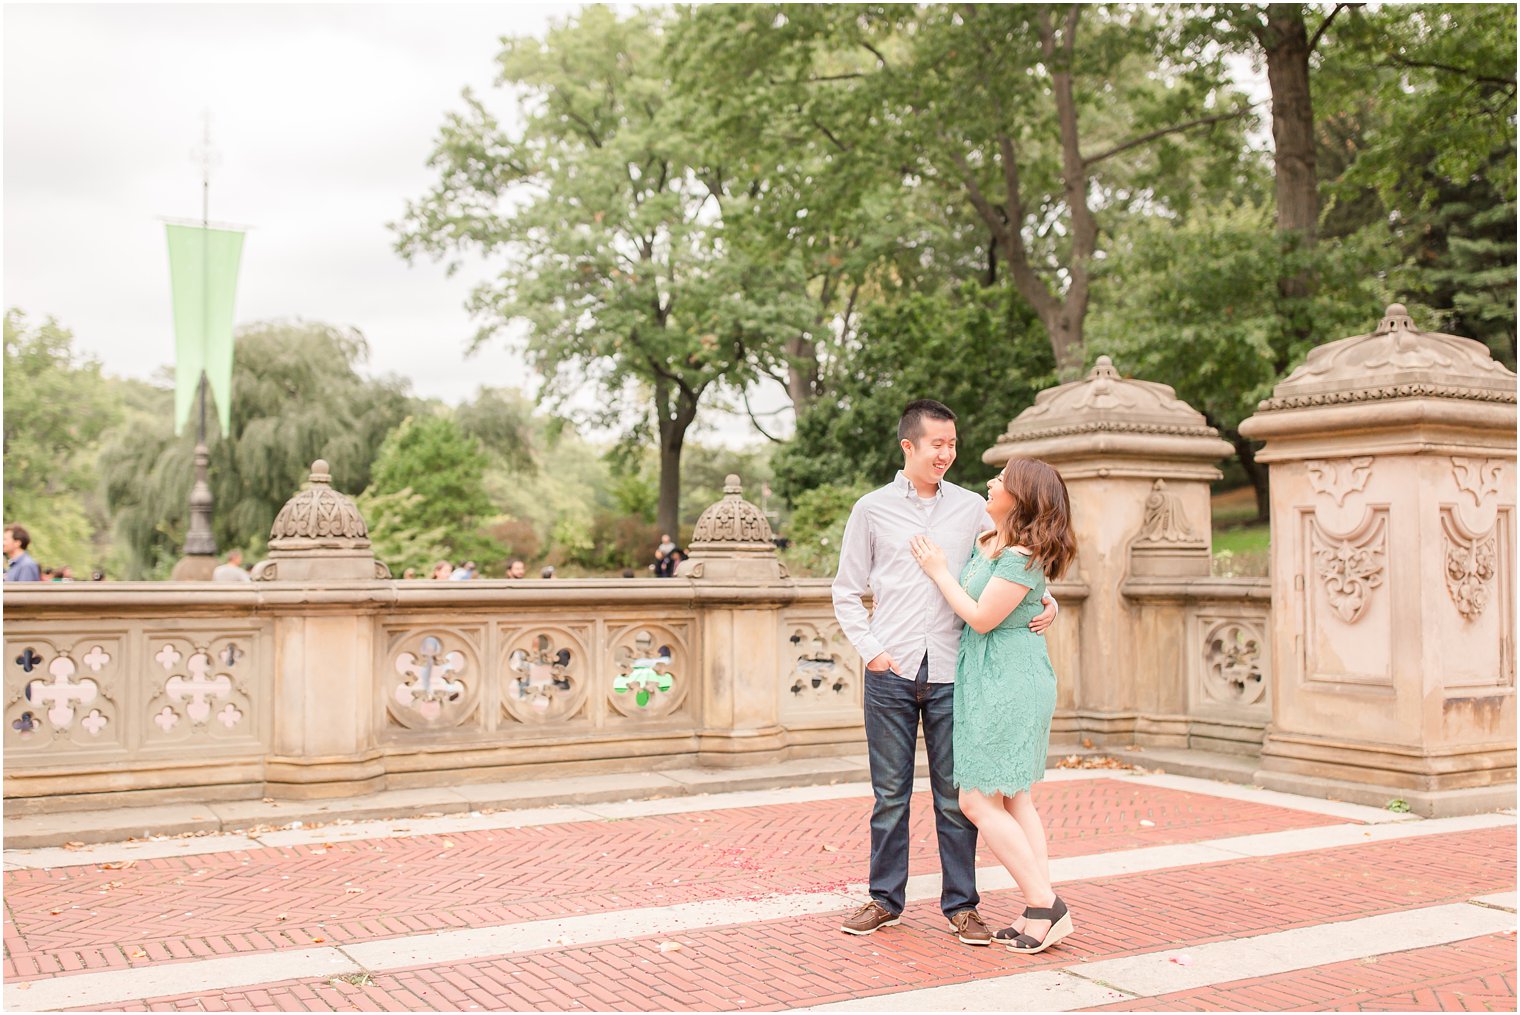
[(297, 395)]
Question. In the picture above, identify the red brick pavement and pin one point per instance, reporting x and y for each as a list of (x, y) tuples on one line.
[(1473, 975), (806, 961), (88, 918)]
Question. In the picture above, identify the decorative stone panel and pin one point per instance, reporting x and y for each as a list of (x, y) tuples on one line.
[(546, 672), (650, 668), (1345, 614), (63, 693), (433, 677), (1230, 667), (821, 676), (1350, 566), (197, 688)]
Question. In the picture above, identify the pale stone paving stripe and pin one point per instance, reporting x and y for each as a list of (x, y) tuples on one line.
[(516, 938), (1155, 973), (176, 978), (1273, 798)]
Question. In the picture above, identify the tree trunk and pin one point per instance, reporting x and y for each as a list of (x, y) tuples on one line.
[(1285, 40), (1245, 451), (802, 376), (676, 408)]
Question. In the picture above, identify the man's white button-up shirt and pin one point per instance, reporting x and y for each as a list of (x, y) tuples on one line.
[(910, 616)]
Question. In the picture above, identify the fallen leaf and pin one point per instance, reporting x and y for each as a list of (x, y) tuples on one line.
[(55, 912), (318, 940), (1183, 960), (73, 845), (119, 865), (448, 843), (354, 891), (137, 953), (670, 946), (831, 849), (21, 986), (282, 916), (1087, 743)]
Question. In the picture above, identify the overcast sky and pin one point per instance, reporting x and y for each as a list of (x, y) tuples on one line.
[(322, 119)]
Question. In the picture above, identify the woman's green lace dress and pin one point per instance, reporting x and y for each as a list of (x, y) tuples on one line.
[(1005, 689)]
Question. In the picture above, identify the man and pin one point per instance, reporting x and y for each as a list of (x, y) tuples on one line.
[(21, 566), (464, 572), (910, 642), (517, 569), (232, 570)]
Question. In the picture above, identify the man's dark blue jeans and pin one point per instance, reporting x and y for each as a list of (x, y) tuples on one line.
[(893, 708)]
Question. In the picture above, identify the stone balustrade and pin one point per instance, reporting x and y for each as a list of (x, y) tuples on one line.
[(1377, 661)]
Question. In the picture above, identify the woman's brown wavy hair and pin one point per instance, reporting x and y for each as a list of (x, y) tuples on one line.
[(1040, 518)]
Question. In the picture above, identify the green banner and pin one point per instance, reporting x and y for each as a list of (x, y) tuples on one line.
[(203, 268)]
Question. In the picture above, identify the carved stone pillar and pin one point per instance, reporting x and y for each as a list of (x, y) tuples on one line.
[(1137, 463), (734, 565), (324, 700), (1392, 461)]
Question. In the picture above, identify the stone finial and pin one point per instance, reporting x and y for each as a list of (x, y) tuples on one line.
[(1397, 360), (1107, 411), (732, 539), (319, 534)]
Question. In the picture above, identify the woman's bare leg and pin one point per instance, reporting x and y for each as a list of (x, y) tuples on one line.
[(1021, 807), (1006, 838)]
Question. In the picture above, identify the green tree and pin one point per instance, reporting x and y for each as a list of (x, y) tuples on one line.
[(1049, 121), (1196, 304), (57, 406), (1418, 123), (395, 533), (614, 229), (979, 350), (430, 458)]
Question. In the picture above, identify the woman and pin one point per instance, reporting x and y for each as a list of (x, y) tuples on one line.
[(1005, 689)]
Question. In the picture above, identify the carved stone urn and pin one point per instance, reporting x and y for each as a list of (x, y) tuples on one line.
[(1392, 459), (732, 541), (319, 535)]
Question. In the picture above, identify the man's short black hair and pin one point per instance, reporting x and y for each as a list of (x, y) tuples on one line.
[(911, 426), (20, 535)]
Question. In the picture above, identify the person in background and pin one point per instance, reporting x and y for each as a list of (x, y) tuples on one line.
[(442, 570), (464, 572), (661, 565), (517, 569), (676, 556), (547, 572), (20, 567), (409, 574), (232, 570)]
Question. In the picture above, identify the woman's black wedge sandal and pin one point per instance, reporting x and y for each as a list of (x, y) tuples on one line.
[(1060, 927)]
